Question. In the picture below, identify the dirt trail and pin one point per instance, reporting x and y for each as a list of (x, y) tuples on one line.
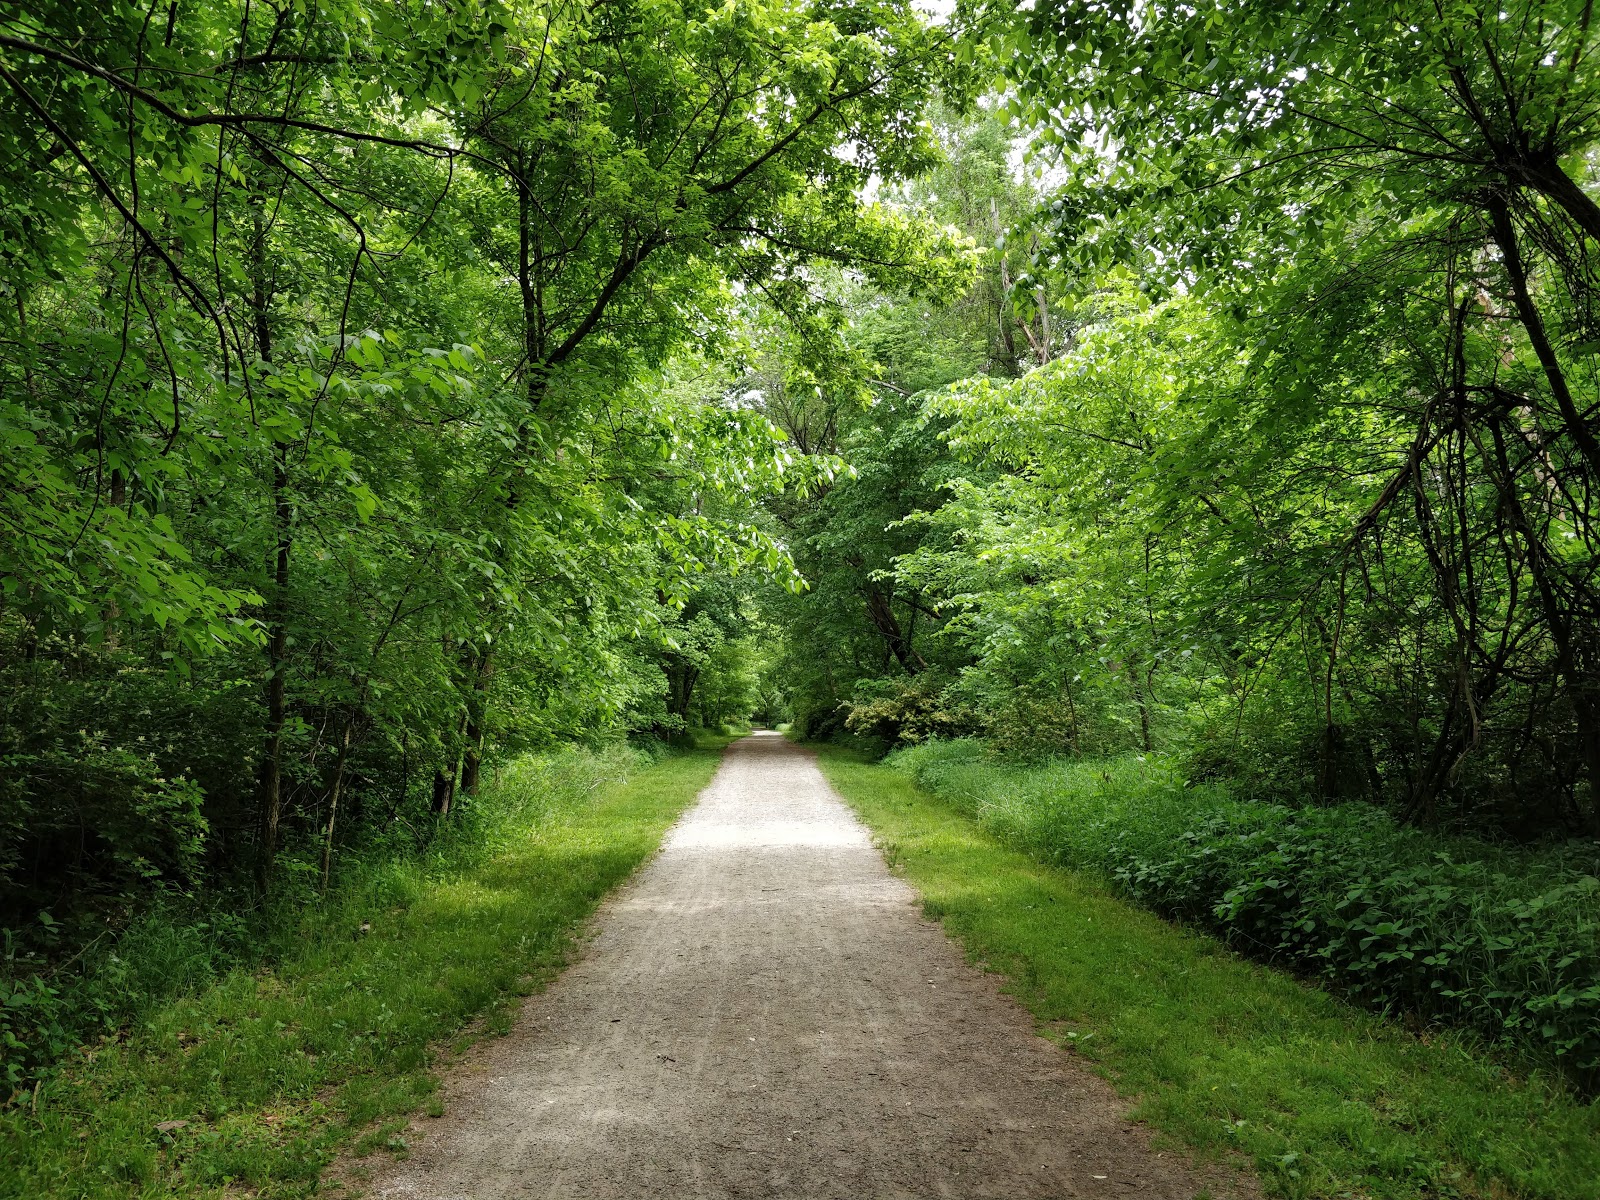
[(763, 1012)]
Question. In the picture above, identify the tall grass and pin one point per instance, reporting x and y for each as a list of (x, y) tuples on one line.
[(1500, 940)]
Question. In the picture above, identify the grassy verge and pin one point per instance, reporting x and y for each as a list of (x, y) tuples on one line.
[(1222, 1054), (258, 1080), (1501, 940)]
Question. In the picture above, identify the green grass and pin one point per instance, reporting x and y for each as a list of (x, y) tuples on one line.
[(272, 1072), (1503, 941), (1226, 1056)]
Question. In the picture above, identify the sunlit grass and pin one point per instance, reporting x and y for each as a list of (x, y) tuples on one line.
[(258, 1079), (1224, 1055)]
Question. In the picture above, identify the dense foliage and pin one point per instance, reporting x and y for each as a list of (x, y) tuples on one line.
[(389, 387), (371, 407), (1232, 1058), (1505, 942), (1296, 478), (261, 1077), (1264, 441)]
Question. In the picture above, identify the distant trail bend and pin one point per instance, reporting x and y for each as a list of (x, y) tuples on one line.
[(763, 1012)]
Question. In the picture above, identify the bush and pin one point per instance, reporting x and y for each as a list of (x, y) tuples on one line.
[(1506, 942), (899, 711), (105, 772)]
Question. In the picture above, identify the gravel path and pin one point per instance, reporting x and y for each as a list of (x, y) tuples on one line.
[(763, 1012)]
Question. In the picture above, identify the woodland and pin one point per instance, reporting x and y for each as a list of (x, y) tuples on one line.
[(1171, 431)]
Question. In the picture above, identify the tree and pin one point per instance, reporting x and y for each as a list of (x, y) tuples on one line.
[(345, 353), (1392, 206)]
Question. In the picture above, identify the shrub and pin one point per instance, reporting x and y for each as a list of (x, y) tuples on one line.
[(906, 710), (1506, 942)]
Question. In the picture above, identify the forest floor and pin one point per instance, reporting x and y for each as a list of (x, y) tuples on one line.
[(764, 1011)]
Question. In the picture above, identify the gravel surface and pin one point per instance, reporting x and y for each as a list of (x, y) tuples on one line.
[(763, 1012)]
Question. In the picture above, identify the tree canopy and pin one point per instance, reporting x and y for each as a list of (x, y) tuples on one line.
[(1299, 484), (388, 388), (372, 391)]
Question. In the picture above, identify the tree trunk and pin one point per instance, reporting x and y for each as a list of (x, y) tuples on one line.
[(271, 780), (444, 792), (1505, 236), (277, 615), (1330, 761), (880, 611), (1574, 651), (680, 690), (1072, 718), (477, 704), (333, 796), (1542, 172), (1142, 701), (471, 763)]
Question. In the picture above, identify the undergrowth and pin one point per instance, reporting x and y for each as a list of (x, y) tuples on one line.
[(1503, 941), (253, 1075), (64, 987)]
